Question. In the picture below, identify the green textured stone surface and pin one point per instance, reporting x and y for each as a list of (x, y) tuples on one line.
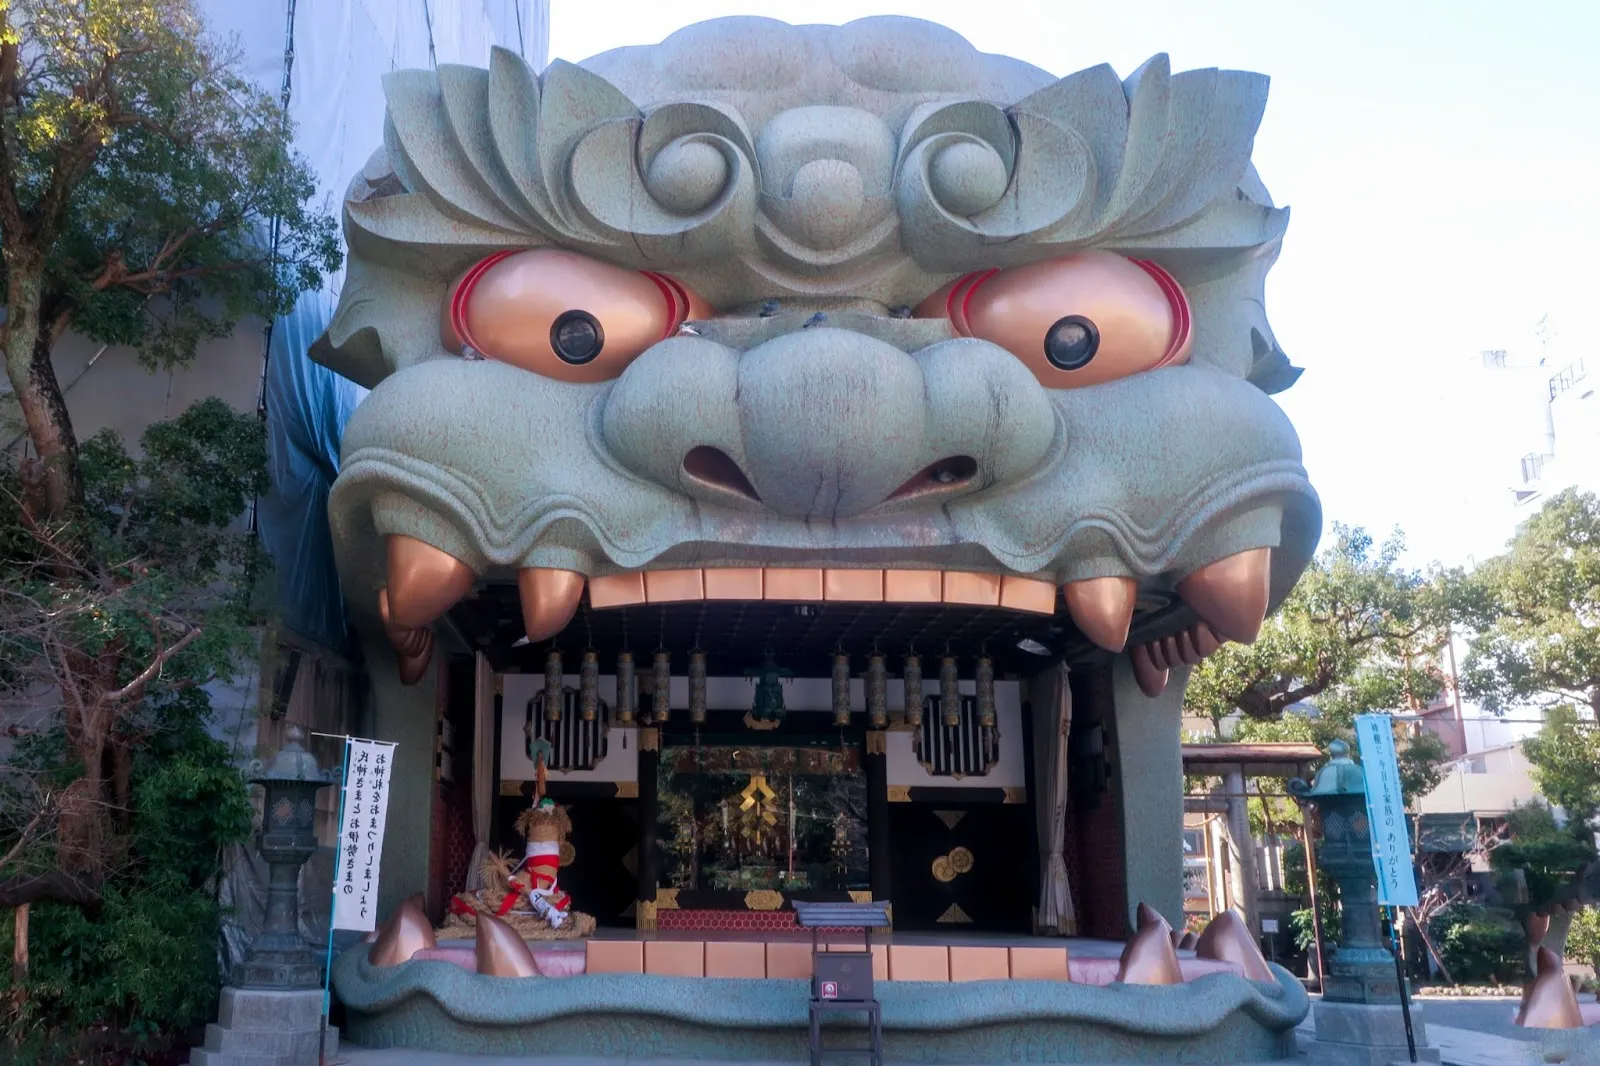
[(1218, 1019), (849, 169)]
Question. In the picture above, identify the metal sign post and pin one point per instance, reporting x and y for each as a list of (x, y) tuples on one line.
[(327, 966)]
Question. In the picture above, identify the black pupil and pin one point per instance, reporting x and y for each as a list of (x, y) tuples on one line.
[(1071, 342), (576, 337)]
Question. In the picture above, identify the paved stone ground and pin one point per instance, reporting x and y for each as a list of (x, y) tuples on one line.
[(365, 1057)]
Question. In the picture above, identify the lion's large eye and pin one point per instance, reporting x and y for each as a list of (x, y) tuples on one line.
[(1080, 320), (562, 315)]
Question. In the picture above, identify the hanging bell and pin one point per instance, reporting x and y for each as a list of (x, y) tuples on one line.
[(627, 689), (911, 677), (697, 687), (661, 699), (986, 692), (589, 687), (949, 693), (877, 693), (841, 690), (554, 695)]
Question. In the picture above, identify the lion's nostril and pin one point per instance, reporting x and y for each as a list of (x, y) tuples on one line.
[(949, 472), (714, 468)]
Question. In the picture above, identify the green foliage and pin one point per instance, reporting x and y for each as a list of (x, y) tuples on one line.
[(1300, 921), (145, 964), (1547, 855), (1358, 632), (1533, 610), (1477, 945), (166, 558), (146, 163), (1566, 763), (1583, 938)]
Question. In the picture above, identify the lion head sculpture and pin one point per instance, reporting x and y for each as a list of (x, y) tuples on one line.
[(702, 319)]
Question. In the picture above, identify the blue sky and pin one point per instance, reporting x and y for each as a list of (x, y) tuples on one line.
[(1443, 164)]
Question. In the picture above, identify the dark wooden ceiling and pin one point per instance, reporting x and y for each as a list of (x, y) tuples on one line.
[(803, 637)]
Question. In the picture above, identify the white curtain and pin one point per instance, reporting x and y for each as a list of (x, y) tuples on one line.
[(1052, 722), (483, 775)]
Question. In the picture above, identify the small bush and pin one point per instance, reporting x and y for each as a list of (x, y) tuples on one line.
[(1583, 939), (1479, 946)]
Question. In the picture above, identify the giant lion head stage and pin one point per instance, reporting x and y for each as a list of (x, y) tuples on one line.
[(769, 312), (795, 343)]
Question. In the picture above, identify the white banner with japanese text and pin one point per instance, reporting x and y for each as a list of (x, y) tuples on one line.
[(1386, 811), (366, 808)]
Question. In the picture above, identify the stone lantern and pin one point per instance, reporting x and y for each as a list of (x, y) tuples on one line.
[(1359, 1018), (279, 957), (1362, 968)]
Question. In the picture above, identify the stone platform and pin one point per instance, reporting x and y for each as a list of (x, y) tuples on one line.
[(259, 1027), (966, 1000)]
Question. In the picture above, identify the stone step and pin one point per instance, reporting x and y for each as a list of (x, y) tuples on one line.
[(266, 1042), (263, 1009), (201, 1057)]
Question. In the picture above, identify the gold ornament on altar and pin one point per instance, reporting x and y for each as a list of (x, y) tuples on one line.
[(943, 871), (961, 861)]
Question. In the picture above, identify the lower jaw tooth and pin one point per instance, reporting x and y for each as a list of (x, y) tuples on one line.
[(1152, 679)]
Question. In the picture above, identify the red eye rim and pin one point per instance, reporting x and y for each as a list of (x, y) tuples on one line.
[(1183, 318), (963, 290), (677, 300), (458, 299)]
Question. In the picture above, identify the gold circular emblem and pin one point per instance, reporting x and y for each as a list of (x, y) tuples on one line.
[(763, 899), (568, 853), (961, 860), (943, 870)]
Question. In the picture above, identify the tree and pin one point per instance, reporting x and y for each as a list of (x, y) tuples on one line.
[(148, 197), (116, 637), (1533, 611), (1565, 754), (1358, 633)]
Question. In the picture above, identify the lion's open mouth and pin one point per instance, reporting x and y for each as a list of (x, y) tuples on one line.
[(813, 612)]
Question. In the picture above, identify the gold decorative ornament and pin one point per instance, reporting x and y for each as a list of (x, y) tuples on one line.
[(877, 742), (511, 788), (627, 790), (697, 687), (899, 793), (589, 687), (949, 693), (666, 899), (911, 681), (961, 861), (661, 697), (644, 915), (860, 895), (763, 899), (627, 689), (752, 722), (943, 870), (954, 915), (649, 739), (1015, 794), (553, 693)]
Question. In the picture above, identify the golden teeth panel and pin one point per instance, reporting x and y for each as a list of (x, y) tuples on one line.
[(1028, 594), (673, 586), (808, 585), (913, 586), (734, 583), (853, 586), (979, 590), (791, 584)]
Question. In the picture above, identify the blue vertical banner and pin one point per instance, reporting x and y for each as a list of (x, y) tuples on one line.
[(1386, 811)]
